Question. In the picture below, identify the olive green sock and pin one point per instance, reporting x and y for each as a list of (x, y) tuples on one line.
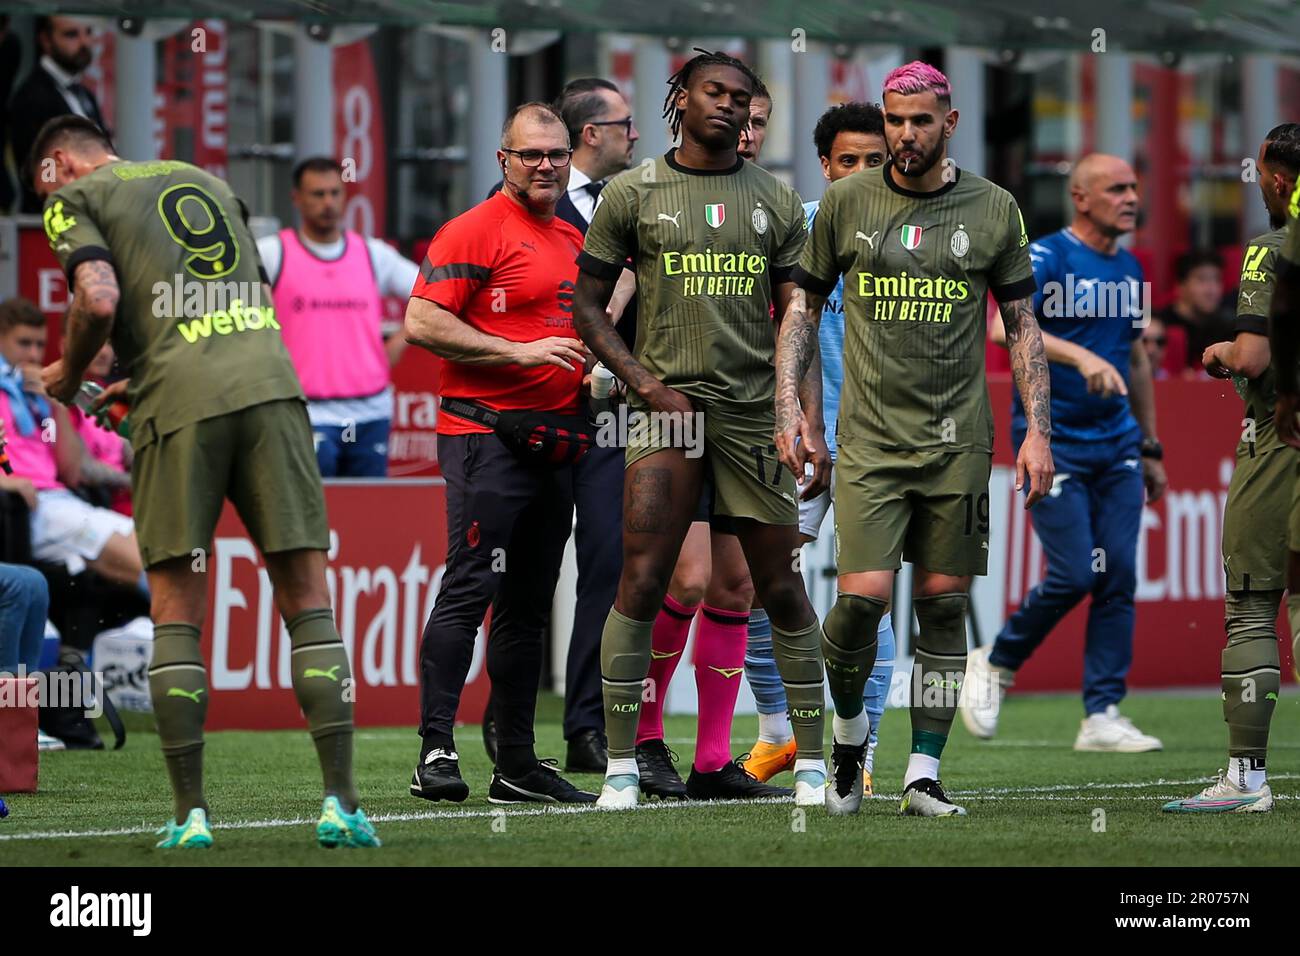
[(178, 687), (322, 682), (1252, 675), (624, 664)]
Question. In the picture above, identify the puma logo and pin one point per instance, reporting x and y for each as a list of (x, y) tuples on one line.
[(187, 694), (870, 240), (672, 219), (662, 655), (727, 672), (528, 245), (1248, 297), (317, 672)]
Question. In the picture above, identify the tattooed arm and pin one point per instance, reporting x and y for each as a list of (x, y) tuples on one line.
[(796, 356), (90, 321), (1284, 341), (591, 296), (1029, 369)]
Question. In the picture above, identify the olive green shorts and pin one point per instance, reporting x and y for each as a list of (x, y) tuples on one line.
[(929, 506), (1254, 540), (260, 457), (739, 456)]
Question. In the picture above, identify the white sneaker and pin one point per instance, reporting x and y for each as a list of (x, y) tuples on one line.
[(846, 771), (925, 798), (809, 788), (1224, 796), (620, 792), (1111, 733), (45, 743), (982, 694)]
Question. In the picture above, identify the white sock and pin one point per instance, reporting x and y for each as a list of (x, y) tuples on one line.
[(775, 728), (803, 763), (920, 766), (1241, 773), (853, 730), (619, 766), (870, 759)]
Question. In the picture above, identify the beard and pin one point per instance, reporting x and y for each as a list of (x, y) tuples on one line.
[(73, 64), (922, 163)]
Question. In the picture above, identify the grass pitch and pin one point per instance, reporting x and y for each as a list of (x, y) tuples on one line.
[(1032, 801)]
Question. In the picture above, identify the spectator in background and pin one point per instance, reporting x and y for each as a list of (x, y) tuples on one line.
[(329, 284), (65, 528), (53, 88), (24, 602), (106, 464), (1155, 339), (1197, 309), (11, 55)]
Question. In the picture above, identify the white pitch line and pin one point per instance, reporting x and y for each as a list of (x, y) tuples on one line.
[(1036, 793)]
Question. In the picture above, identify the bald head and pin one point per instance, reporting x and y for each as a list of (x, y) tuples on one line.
[(1103, 189), (529, 117)]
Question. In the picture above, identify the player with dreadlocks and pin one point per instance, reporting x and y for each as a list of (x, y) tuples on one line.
[(713, 239), (712, 582)]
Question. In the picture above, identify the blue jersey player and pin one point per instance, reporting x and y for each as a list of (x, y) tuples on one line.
[(1089, 304)]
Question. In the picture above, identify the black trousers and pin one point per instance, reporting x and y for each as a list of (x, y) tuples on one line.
[(598, 539), (507, 524)]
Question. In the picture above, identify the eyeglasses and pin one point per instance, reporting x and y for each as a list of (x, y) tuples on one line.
[(626, 123), (532, 158)]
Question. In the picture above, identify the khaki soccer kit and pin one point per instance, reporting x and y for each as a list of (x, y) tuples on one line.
[(216, 408), (915, 431)]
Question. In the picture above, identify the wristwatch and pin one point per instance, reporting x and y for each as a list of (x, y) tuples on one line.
[(1151, 448)]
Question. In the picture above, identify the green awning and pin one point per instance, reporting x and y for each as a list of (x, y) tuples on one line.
[(1155, 26)]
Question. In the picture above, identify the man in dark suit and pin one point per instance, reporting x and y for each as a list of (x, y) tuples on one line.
[(603, 135), (53, 88), (10, 55)]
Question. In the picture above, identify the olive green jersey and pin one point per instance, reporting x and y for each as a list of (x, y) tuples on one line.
[(916, 268), (194, 328), (1255, 296), (708, 247)]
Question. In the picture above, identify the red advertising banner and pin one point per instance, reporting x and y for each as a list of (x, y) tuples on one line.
[(359, 139), (1180, 588), (383, 579), (41, 281), (191, 97)]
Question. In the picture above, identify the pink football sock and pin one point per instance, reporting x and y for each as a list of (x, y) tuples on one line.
[(719, 662), (667, 641)]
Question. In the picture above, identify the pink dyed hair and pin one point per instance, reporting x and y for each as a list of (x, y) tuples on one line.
[(918, 77)]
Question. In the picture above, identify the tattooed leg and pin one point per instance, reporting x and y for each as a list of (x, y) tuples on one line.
[(660, 493)]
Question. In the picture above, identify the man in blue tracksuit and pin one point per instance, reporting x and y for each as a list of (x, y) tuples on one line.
[(1089, 305)]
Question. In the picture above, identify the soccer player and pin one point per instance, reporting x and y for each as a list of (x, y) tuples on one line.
[(1104, 445), (712, 579), (713, 238), (919, 244), (1254, 540), (216, 412), (849, 138)]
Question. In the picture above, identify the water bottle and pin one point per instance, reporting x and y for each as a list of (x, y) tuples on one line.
[(114, 413)]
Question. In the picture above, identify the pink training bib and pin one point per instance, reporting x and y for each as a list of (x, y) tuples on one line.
[(329, 314), (30, 456)]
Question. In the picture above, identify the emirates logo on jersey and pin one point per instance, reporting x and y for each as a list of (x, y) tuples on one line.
[(715, 214), (910, 236)]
